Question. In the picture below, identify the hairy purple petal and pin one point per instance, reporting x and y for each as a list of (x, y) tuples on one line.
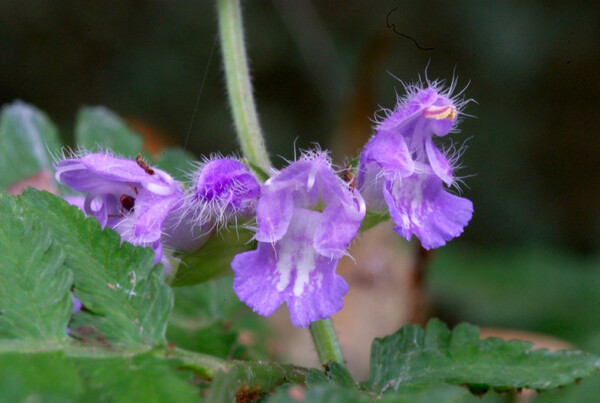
[(338, 226), (273, 213), (291, 271), (306, 218), (421, 206), (439, 163), (126, 195), (225, 188)]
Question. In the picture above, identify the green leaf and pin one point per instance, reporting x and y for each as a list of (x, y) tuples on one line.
[(27, 139), (141, 378), (35, 297), (321, 393), (334, 372), (536, 288), (372, 218), (247, 381), (438, 393), (261, 175), (40, 377), (200, 322), (214, 258), (210, 318), (97, 128), (333, 385), (125, 297), (177, 162), (413, 356)]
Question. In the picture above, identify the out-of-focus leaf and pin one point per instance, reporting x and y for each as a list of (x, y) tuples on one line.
[(261, 175), (372, 218), (208, 318), (35, 296), (124, 294), (334, 392), (198, 319), (39, 377), (177, 162), (27, 140), (141, 378), (98, 128), (440, 393), (214, 258), (321, 393), (413, 356), (534, 288)]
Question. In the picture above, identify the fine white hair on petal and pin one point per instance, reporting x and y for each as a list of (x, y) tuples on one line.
[(412, 88), (215, 211)]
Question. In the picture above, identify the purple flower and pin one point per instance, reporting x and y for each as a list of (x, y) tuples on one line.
[(306, 218), (128, 196), (402, 168), (76, 304), (223, 189)]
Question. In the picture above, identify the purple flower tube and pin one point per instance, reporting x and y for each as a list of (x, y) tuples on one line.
[(306, 218)]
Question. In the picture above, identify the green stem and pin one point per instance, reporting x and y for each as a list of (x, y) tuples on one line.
[(326, 342), (248, 130), (267, 374), (239, 88), (204, 364)]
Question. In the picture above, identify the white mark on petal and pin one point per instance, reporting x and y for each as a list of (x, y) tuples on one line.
[(284, 264), (304, 266)]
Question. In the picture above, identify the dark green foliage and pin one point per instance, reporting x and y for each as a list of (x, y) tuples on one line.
[(214, 258), (413, 356)]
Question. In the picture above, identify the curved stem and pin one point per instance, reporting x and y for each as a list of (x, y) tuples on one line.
[(239, 88), (206, 365), (326, 342)]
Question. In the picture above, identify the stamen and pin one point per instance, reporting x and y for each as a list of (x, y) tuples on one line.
[(440, 112)]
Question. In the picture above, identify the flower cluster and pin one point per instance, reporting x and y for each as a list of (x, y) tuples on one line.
[(306, 215)]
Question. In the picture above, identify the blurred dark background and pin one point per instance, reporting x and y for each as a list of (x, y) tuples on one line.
[(320, 71)]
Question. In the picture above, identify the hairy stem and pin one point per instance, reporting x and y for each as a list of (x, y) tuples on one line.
[(267, 374), (239, 88), (204, 364), (326, 342)]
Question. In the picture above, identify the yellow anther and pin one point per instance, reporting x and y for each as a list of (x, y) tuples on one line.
[(440, 112)]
